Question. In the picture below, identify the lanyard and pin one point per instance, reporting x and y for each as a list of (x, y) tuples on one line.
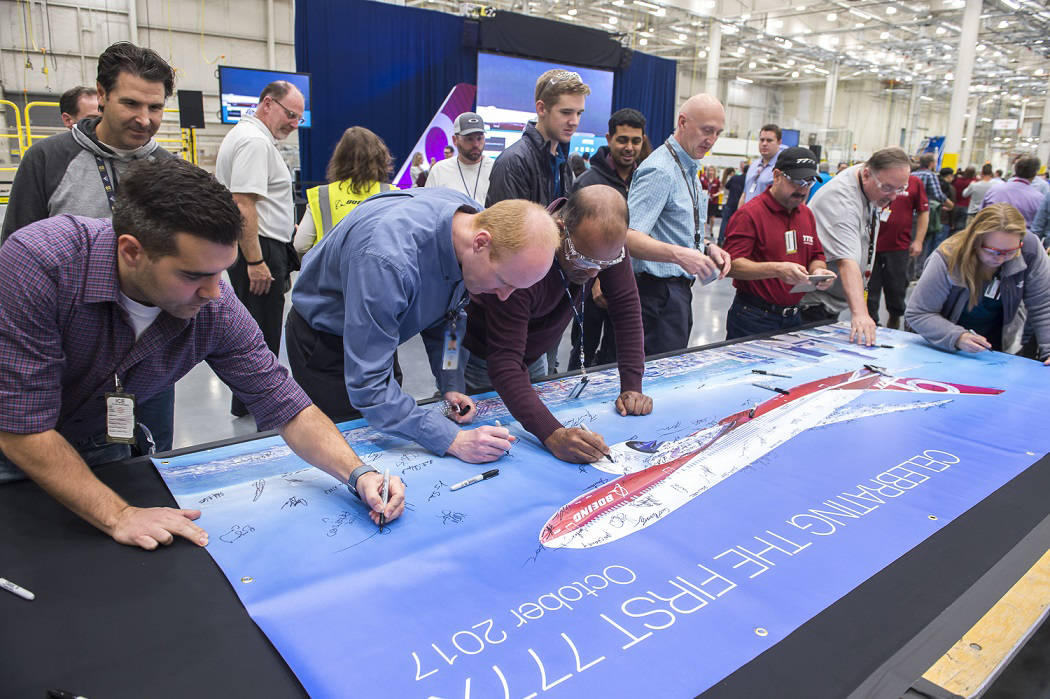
[(694, 195), (873, 236), (577, 313), (109, 185), (453, 312), (463, 179)]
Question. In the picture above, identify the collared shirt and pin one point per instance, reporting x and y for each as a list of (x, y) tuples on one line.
[(1020, 194), (64, 334), (764, 231), (976, 191), (895, 233), (1041, 223), (930, 183), (386, 273), (844, 215), (661, 204), (249, 163), (759, 176)]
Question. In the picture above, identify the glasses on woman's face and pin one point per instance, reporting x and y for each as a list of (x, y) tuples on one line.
[(999, 253), (581, 261)]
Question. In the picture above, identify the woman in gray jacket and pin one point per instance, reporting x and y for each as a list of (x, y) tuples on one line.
[(970, 293)]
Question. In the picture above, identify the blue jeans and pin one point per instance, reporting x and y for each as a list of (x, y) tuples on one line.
[(95, 451), (745, 319), (476, 373), (158, 414)]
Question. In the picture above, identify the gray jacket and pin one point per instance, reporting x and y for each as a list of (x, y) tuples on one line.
[(938, 301), (60, 175)]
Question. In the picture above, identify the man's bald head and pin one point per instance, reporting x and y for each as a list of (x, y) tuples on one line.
[(595, 220), (701, 120)]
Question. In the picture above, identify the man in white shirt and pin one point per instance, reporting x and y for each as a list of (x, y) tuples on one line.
[(252, 168), (469, 171)]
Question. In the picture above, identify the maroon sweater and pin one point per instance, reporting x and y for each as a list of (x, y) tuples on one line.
[(512, 334)]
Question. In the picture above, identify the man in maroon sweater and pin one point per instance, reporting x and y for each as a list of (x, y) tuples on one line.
[(508, 340)]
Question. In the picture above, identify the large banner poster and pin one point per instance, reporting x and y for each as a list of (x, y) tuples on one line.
[(771, 479)]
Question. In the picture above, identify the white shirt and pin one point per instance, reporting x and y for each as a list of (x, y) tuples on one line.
[(142, 316), (472, 180), (249, 163)]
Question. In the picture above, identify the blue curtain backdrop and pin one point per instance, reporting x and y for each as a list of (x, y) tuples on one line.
[(388, 68), (648, 86), (380, 66)]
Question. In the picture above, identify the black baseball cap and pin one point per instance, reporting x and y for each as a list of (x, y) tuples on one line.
[(798, 163)]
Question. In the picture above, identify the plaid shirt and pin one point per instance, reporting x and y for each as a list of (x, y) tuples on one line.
[(930, 184), (64, 335)]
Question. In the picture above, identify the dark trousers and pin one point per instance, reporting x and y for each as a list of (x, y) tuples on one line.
[(316, 360), (889, 274), (158, 414), (745, 319), (267, 309), (817, 312), (599, 342), (667, 312)]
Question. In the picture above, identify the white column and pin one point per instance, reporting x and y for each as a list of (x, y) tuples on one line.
[(714, 36), (1044, 131), (271, 37), (971, 131), (830, 91), (961, 89), (913, 112), (133, 22)]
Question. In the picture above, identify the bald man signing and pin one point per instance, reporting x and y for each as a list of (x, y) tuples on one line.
[(666, 237), (507, 340)]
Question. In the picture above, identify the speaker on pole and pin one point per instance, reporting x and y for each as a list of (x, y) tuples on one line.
[(191, 109)]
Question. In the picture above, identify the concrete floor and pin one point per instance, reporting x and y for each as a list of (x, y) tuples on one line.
[(202, 414)]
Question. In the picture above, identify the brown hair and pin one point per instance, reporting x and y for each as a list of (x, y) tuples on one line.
[(960, 250), (554, 83), (360, 157), (888, 157), (515, 224)]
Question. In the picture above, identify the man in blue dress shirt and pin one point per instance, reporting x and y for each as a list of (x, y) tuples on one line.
[(760, 174), (401, 264)]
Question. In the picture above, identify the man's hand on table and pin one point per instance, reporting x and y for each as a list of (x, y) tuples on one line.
[(458, 401), (369, 487), (634, 403), (148, 527), (481, 444), (576, 445), (862, 329)]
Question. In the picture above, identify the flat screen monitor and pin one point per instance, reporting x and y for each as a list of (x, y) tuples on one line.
[(239, 90), (789, 137), (507, 86)]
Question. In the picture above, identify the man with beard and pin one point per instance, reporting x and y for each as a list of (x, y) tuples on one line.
[(774, 245), (469, 171), (612, 165)]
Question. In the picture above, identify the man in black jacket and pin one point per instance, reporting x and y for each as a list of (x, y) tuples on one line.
[(537, 166), (613, 165)]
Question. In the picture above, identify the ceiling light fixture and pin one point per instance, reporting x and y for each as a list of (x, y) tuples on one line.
[(890, 9)]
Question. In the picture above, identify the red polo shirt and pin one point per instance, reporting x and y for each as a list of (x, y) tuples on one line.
[(895, 232), (760, 231)]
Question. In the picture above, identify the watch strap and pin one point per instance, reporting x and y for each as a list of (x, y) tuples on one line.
[(351, 482)]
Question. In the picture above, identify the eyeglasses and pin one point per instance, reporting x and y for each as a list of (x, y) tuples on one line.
[(802, 184), (583, 262), (999, 252), (886, 188), (288, 112)]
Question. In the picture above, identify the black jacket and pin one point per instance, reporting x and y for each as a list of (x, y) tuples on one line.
[(602, 172), (523, 171)]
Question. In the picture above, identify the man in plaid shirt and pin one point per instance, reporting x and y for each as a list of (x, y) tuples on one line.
[(90, 307)]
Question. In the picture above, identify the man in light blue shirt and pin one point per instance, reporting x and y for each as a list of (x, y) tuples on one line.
[(1041, 224), (668, 208), (760, 174), (402, 264)]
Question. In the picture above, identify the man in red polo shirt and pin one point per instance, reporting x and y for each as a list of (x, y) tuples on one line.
[(895, 247), (774, 245)]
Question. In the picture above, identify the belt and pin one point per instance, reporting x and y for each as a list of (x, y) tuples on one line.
[(689, 281), (763, 305)]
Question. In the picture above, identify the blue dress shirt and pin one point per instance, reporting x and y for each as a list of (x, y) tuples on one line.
[(386, 273)]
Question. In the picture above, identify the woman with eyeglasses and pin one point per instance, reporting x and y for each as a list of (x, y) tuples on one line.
[(970, 293)]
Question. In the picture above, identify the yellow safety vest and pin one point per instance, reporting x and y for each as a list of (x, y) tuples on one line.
[(329, 203)]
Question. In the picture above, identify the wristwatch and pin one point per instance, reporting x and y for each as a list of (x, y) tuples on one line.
[(351, 482)]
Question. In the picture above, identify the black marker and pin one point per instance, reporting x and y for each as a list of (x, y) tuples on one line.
[(476, 479), (583, 426), (779, 390), (769, 373)]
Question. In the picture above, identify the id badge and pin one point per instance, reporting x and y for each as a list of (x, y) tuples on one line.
[(884, 214), (450, 354), (992, 292), (790, 242), (120, 418)]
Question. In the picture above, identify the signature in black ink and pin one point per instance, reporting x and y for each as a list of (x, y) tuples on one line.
[(342, 519), (213, 496), (450, 517), (416, 467), (259, 485), (236, 532), (437, 490), (293, 502)]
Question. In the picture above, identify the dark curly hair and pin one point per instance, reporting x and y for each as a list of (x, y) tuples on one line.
[(147, 64), (360, 157), (160, 197)]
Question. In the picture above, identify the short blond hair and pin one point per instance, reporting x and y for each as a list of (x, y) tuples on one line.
[(554, 83), (516, 224)]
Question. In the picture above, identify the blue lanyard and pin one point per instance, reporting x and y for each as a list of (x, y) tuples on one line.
[(107, 184)]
